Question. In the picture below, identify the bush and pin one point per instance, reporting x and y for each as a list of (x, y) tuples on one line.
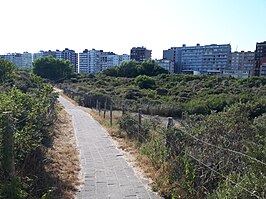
[(145, 82)]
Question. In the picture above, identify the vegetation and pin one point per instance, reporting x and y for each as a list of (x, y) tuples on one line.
[(52, 68), (167, 95), (145, 82), (133, 69), (219, 150), (27, 111)]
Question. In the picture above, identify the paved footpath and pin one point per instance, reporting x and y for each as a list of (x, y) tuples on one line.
[(105, 171)]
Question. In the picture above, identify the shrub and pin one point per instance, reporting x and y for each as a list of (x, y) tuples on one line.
[(145, 82)]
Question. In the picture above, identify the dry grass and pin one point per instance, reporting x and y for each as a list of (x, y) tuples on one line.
[(64, 158)]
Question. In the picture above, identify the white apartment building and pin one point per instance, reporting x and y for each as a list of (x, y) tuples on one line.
[(89, 61), (38, 55), (93, 61), (21, 60), (166, 64), (26, 60)]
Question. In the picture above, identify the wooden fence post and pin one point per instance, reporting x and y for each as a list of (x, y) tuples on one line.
[(96, 105), (123, 109), (104, 112), (99, 108), (111, 114), (170, 123), (139, 120), (90, 105)]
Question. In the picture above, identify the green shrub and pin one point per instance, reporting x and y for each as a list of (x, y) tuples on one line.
[(145, 82)]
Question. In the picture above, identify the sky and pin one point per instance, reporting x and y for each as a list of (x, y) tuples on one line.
[(119, 25)]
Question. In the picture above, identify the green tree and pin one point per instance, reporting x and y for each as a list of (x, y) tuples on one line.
[(128, 69), (52, 68), (113, 72), (144, 81), (6, 69), (151, 68)]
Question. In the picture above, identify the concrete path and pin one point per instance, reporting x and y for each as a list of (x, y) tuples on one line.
[(105, 171)]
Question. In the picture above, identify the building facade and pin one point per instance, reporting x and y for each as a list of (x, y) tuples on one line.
[(70, 55), (140, 54), (166, 64), (241, 64), (260, 53), (21, 60), (208, 59), (93, 61), (262, 67)]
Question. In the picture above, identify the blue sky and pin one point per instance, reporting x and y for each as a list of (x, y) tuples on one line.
[(119, 25)]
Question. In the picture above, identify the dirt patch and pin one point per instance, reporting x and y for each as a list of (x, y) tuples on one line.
[(64, 158)]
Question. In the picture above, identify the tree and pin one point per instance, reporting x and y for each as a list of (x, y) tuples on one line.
[(151, 68), (6, 69), (133, 69), (53, 68), (113, 72), (144, 81), (128, 69)]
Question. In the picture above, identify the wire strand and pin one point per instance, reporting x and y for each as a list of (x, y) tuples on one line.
[(225, 149), (252, 193)]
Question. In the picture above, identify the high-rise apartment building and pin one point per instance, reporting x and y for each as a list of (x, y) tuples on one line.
[(140, 54), (89, 61), (22, 60), (241, 64), (262, 67), (208, 59), (260, 53), (93, 61), (70, 55)]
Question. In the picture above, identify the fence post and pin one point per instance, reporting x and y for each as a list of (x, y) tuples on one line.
[(170, 123), (8, 147), (139, 120), (111, 114), (123, 109), (99, 108), (104, 112), (96, 105), (90, 102)]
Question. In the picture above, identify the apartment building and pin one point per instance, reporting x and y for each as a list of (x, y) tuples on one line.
[(208, 59), (140, 54), (70, 55), (21, 60), (93, 61), (260, 53), (166, 64), (262, 67), (241, 64)]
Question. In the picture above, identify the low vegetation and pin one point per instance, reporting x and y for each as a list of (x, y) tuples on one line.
[(219, 150), (27, 116), (167, 95)]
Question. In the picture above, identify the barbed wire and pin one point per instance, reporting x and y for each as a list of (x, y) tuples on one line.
[(224, 149)]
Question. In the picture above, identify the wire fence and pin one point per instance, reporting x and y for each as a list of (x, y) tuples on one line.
[(136, 120)]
